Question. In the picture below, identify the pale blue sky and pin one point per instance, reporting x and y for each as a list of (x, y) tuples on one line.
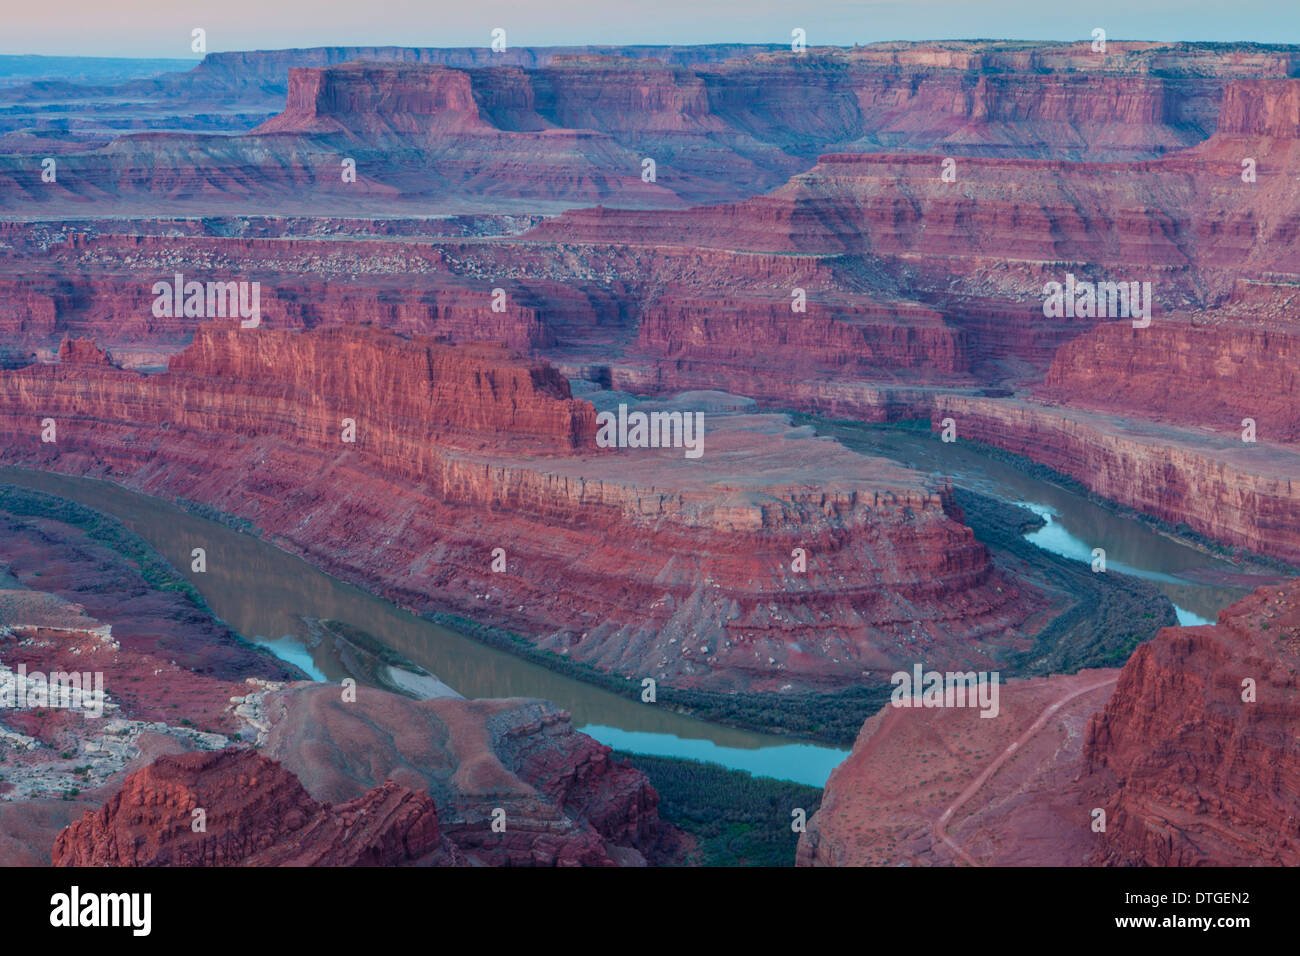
[(161, 28)]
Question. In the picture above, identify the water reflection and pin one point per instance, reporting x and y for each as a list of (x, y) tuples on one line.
[(1053, 536)]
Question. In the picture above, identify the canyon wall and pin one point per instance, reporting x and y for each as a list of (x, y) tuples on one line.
[(233, 91), (910, 279), (857, 338), (635, 561), (1243, 495), (1196, 750), (555, 131), (977, 248), (102, 286), (1185, 373)]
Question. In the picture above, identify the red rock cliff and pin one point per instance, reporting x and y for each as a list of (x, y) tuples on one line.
[(380, 100), (425, 391), (1242, 494), (574, 131), (1185, 373), (1194, 773), (1190, 749), (256, 813)]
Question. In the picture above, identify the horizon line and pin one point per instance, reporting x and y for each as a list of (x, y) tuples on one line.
[(776, 46)]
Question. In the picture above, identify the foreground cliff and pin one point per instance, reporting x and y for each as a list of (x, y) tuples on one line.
[(373, 779), (514, 783), (1187, 756), (1197, 749), (152, 672), (261, 816)]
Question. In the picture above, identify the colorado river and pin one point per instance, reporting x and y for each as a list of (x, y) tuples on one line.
[(267, 595), (1074, 525)]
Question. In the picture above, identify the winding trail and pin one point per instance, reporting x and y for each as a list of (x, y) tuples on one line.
[(940, 828)]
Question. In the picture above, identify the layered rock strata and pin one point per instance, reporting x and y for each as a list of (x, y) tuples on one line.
[(554, 131), (736, 568), (1243, 494), (1196, 751)]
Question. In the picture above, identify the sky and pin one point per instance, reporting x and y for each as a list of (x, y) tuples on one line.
[(162, 28)]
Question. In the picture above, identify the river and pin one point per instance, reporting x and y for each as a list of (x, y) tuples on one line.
[(1074, 524), (267, 595)]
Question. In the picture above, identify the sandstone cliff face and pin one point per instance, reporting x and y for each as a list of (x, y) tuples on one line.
[(306, 385), (1185, 373), (698, 337), (1193, 772), (1268, 108), (255, 813), (424, 389), (1190, 749), (879, 202), (381, 101), (636, 561), (83, 352), (1244, 495)]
